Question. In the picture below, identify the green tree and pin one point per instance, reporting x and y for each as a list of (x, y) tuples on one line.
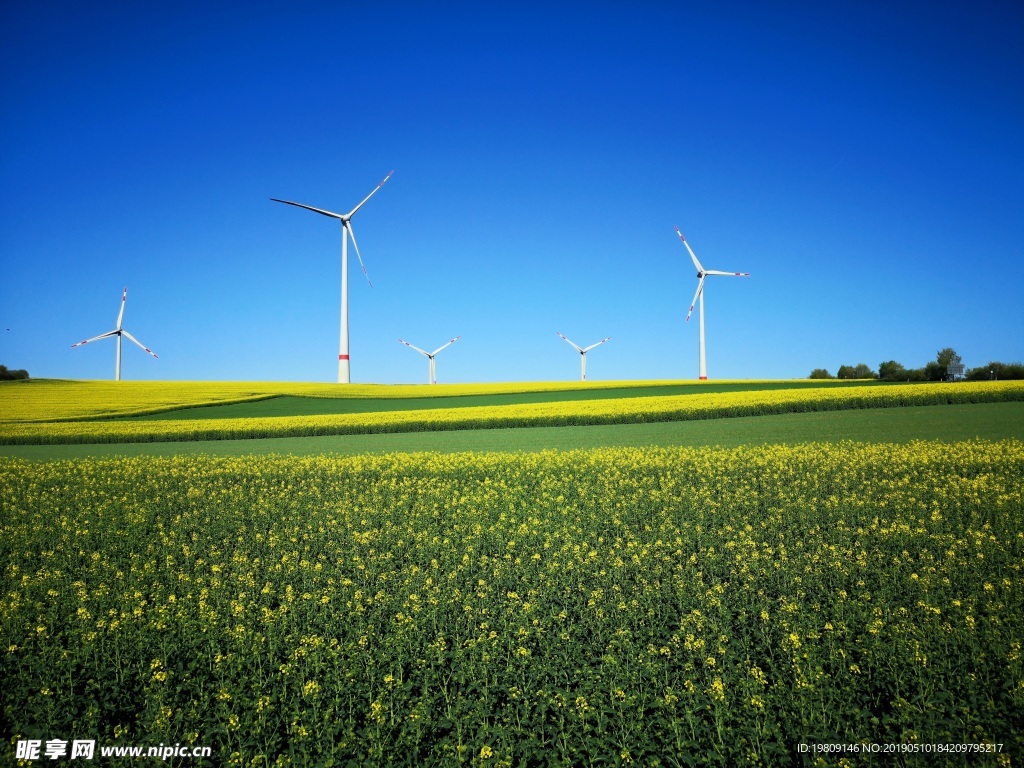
[(945, 358), (820, 373), (892, 371), (861, 371), (934, 371), (8, 375), (858, 371), (996, 371)]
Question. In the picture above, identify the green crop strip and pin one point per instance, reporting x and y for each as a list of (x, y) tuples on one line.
[(285, 405)]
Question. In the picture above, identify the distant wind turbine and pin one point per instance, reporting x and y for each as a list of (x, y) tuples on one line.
[(701, 274), (583, 354), (118, 332), (430, 356), (344, 373)]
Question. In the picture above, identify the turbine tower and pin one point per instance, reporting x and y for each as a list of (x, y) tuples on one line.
[(583, 354), (118, 332), (430, 356), (344, 373), (701, 274)]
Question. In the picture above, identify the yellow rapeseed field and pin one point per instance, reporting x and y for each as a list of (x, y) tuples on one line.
[(655, 607)]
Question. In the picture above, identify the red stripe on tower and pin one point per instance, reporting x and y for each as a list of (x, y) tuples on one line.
[(343, 357)]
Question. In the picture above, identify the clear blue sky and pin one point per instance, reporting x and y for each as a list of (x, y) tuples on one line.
[(865, 164)]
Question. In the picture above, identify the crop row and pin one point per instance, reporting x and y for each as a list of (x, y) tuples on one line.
[(580, 412), (621, 606)]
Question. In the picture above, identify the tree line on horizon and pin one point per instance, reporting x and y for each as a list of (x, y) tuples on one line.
[(8, 375), (936, 370)]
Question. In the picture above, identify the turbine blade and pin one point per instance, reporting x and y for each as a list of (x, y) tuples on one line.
[(446, 345), (353, 211), (124, 298), (309, 208), (578, 349), (692, 254), (700, 286), (422, 352), (602, 341), (727, 274), (95, 338), (140, 345), (348, 226)]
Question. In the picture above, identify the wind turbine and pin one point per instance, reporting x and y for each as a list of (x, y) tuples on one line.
[(701, 274), (344, 374), (583, 354), (118, 332), (430, 356)]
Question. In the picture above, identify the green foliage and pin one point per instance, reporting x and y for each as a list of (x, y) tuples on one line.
[(9, 375), (892, 371), (820, 373), (937, 370), (947, 356), (644, 606), (859, 371), (995, 371), (934, 371)]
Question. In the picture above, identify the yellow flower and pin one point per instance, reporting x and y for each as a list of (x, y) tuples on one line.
[(717, 689)]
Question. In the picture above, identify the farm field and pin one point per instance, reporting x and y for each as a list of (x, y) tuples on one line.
[(717, 588), (286, 405), (625, 606), (990, 421), (64, 400), (27, 423)]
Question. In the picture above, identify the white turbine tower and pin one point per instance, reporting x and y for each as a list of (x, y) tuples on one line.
[(583, 354), (701, 274), (118, 332), (344, 374), (430, 356)]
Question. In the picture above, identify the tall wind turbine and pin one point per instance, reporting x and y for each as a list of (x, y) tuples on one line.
[(583, 354), (344, 374), (430, 356), (701, 274), (118, 332)]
